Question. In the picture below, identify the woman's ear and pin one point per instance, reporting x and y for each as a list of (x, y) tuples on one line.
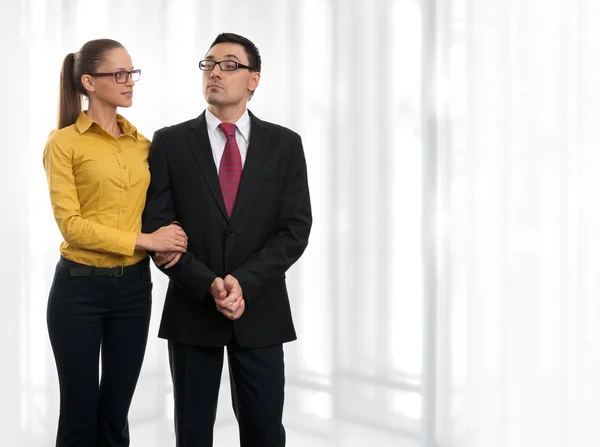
[(88, 83)]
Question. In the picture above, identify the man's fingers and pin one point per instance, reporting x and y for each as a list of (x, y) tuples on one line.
[(225, 300), (174, 260), (231, 312), (240, 310), (218, 290), (170, 258), (230, 305), (226, 312), (221, 295), (230, 283)]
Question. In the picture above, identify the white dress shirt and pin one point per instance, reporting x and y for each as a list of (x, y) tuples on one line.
[(218, 140)]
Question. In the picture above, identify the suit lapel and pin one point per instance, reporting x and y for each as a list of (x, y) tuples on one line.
[(200, 146), (257, 150)]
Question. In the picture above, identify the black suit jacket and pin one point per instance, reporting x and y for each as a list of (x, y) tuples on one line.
[(267, 233)]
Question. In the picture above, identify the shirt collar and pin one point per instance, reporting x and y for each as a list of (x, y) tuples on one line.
[(84, 123), (243, 124), (127, 127)]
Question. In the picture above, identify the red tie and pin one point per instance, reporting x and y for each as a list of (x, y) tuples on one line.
[(230, 169)]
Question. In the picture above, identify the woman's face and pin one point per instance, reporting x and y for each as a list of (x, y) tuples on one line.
[(106, 89)]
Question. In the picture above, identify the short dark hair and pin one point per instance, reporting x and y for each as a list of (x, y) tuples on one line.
[(249, 47), (251, 50)]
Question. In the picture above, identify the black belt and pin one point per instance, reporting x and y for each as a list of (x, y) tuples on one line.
[(77, 269)]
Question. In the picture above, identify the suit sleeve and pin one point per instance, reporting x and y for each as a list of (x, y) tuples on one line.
[(189, 273), (290, 237)]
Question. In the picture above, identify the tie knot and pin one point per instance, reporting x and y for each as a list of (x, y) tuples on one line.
[(228, 129)]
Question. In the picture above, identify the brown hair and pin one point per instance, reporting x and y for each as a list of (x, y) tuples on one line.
[(75, 65)]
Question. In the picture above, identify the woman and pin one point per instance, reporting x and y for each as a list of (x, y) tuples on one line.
[(97, 169)]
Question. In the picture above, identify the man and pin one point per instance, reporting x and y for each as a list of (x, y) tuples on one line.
[(238, 187)]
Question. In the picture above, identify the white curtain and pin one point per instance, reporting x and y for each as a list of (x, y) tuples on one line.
[(517, 326), (446, 297)]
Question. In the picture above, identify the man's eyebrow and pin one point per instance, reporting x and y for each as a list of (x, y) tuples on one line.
[(225, 57)]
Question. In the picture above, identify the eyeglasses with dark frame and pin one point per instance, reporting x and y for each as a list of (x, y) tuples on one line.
[(209, 65), (121, 77)]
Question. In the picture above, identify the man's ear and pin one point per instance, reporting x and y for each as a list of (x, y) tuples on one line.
[(254, 80)]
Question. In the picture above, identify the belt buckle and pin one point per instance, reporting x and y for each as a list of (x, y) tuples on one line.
[(120, 272)]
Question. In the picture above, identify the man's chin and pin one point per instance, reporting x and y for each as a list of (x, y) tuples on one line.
[(216, 100)]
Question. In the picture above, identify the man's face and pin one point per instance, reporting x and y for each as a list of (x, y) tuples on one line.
[(228, 88)]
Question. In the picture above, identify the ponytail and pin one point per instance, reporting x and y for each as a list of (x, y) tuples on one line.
[(69, 106), (75, 65)]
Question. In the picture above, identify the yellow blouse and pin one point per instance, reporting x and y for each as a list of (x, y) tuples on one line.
[(97, 187)]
